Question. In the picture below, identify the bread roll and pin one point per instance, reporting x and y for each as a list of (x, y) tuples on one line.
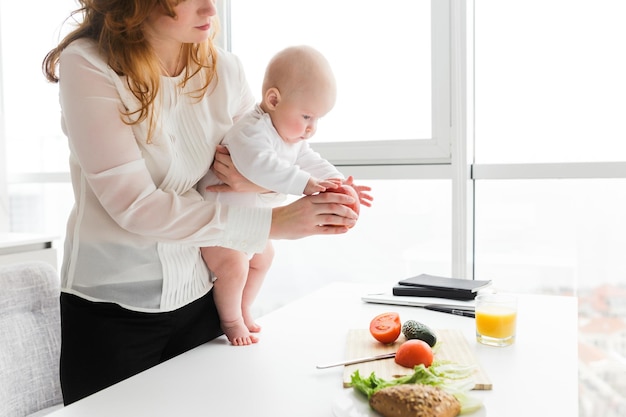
[(415, 400)]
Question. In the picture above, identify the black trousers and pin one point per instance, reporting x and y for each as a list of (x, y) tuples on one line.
[(103, 343)]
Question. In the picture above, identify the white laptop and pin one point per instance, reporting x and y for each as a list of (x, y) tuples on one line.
[(389, 298)]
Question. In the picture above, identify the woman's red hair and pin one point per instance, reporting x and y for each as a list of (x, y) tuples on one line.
[(117, 28)]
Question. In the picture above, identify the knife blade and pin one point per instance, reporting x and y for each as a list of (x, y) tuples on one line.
[(360, 360)]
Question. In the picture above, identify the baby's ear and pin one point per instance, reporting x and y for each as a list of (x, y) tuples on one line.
[(272, 98)]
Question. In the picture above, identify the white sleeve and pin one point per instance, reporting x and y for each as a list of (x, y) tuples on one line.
[(256, 159), (313, 163)]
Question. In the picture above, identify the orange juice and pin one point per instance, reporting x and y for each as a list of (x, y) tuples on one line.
[(496, 321), (496, 316)]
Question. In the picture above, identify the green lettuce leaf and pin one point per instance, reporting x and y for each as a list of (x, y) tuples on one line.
[(453, 378)]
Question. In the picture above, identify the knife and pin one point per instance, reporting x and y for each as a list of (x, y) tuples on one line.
[(360, 360), (458, 311)]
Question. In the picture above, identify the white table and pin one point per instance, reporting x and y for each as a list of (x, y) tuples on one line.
[(537, 376)]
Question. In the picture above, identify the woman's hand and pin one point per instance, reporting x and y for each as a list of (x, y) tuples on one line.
[(225, 170), (319, 214)]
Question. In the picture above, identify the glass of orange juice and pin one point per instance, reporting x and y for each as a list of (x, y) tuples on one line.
[(496, 319)]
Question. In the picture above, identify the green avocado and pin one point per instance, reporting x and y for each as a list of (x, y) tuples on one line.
[(415, 330)]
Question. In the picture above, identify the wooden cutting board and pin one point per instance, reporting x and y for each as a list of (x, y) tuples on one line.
[(451, 345)]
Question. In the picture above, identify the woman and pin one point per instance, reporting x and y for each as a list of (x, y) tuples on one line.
[(146, 97)]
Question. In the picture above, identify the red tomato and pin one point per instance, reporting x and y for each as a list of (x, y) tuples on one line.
[(414, 352), (386, 327), (348, 190)]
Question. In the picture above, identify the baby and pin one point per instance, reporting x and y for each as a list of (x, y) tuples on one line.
[(268, 146)]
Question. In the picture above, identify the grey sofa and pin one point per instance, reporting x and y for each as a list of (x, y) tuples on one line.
[(30, 340)]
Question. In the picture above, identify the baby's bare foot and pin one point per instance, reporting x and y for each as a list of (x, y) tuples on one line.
[(237, 333), (250, 323)]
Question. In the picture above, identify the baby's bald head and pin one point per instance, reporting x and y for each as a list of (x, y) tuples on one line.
[(300, 69)]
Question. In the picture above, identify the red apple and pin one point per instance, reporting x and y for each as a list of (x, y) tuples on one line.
[(348, 190)]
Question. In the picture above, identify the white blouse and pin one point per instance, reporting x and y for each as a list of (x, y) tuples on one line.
[(134, 234)]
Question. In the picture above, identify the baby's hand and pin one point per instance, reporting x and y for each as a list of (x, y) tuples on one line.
[(315, 185), (330, 183), (362, 190)]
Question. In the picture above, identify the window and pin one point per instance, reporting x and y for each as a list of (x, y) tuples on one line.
[(31, 114), (549, 148), (552, 236), (550, 83), (391, 61), (35, 153)]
